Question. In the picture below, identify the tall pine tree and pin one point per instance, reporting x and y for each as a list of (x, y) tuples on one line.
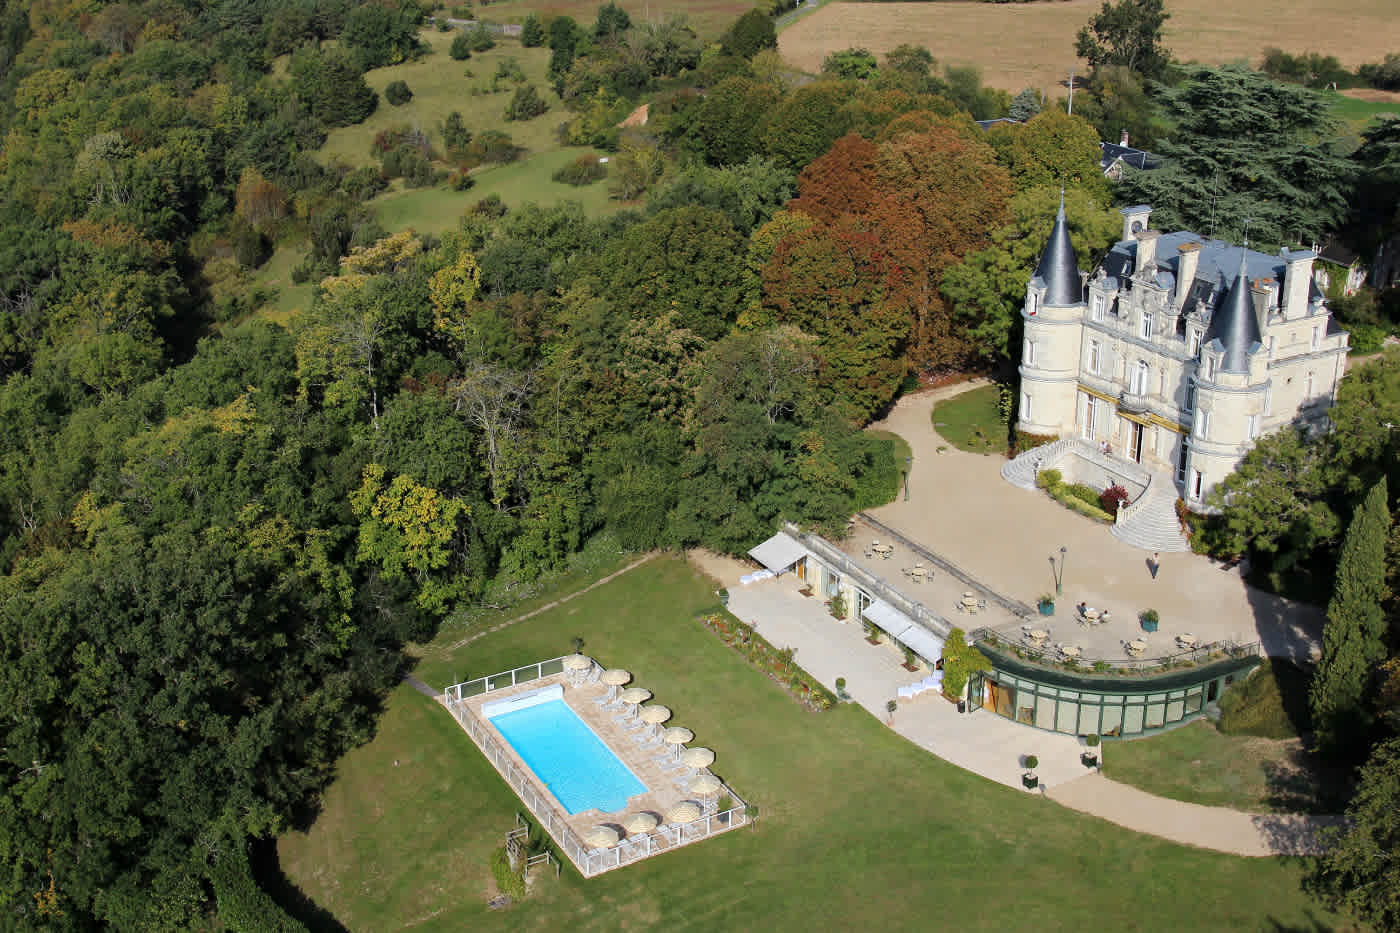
[(1353, 643)]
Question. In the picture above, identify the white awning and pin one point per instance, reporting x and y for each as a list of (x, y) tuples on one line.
[(779, 552), (890, 619), (904, 630)]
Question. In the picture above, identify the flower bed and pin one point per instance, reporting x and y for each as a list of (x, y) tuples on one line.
[(777, 664)]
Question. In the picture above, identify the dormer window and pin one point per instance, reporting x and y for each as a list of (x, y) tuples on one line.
[(1145, 327), (1195, 344), (1030, 304), (1211, 364)]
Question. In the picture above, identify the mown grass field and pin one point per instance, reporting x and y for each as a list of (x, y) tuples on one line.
[(1019, 45), (972, 421), (857, 828), (1357, 108)]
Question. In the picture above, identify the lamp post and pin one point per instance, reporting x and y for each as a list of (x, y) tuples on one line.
[(908, 468), (1060, 575)]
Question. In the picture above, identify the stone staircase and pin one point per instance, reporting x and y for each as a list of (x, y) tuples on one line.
[(1152, 524), (1020, 471)]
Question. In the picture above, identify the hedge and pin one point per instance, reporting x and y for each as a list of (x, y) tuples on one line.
[(1065, 497)]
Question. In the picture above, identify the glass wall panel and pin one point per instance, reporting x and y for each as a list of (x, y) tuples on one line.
[(1156, 697), (1193, 700), (1112, 721), (1175, 710), (1067, 716), (1154, 716), (1045, 712), (1132, 720), (1113, 699), (1088, 718), (1069, 694)]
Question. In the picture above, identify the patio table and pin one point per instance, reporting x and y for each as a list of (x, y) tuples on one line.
[(1039, 634), (1137, 646), (1186, 640), (1069, 651)]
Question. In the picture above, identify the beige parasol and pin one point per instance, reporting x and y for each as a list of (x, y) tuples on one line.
[(601, 837), (677, 735), (655, 715), (705, 785), (640, 822), (684, 812), (633, 696), (697, 757), (615, 677), (577, 662)]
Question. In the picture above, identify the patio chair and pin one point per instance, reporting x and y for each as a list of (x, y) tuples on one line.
[(960, 607), (981, 604)]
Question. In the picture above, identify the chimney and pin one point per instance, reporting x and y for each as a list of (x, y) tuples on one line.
[(1147, 249), (1134, 219), (1188, 256), (1297, 281), (1123, 140)]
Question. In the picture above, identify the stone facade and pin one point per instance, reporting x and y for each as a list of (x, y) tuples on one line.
[(1178, 352)]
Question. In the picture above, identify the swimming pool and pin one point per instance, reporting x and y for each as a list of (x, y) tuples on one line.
[(565, 754)]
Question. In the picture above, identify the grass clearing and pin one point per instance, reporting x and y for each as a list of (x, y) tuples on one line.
[(709, 18), (1198, 764), (1356, 109), (1033, 44), (1271, 703), (440, 86), (858, 828), (972, 421)]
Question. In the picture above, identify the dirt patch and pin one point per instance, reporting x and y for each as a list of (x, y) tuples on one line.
[(1020, 45), (637, 117), (1373, 95)]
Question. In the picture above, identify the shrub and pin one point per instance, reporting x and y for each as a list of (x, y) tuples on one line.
[(1084, 493), (507, 69), (1112, 499), (479, 39), (401, 137), (526, 104), (1150, 615), (910, 658), (510, 883), (455, 135), (1025, 441), (1048, 479), (1065, 497), (398, 93), (960, 661), (1092, 740), (363, 183), (242, 905), (838, 606), (489, 206), (250, 247), (1032, 762), (461, 48), (1272, 703), (461, 181), (531, 32), (492, 146), (584, 170)]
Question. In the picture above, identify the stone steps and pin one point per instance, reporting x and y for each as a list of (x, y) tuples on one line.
[(1021, 470), (1155, 526)]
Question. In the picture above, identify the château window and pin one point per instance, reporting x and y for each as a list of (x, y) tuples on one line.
[(1145, 327), (1268, 400), (1203, 425), (1252, 427), (1094, 360), (1271, 345), (1196, 485), (1308, 387), (1030, 304), (1211, 363), (1317, 337), (1138, 383), (1030, 353), (1190, 398), (1096, 308), (1025, 406), (1195, 344)]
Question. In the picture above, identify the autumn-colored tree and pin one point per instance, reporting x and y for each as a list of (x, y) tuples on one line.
[(840, 182), (259, 201), (1054, 149)]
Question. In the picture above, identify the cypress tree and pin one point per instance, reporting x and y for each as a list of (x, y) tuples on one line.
[(1353, 641)]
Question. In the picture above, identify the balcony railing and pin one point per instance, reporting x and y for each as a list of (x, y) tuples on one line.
[(996, 644)]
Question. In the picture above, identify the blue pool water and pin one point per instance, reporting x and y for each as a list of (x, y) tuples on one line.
[(568, 757)]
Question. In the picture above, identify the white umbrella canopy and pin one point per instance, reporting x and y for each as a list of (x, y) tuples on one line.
[(705, 785), (655, 715), (601, 837), (577, 662), (677, 735), (615, 677), (697, 757), (684, 812), (641, 822), (633, 696)]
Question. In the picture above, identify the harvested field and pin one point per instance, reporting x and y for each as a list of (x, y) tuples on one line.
[(709, 18), (1032, 44)]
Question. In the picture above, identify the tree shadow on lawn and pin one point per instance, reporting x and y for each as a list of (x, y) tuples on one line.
[(267, 871)]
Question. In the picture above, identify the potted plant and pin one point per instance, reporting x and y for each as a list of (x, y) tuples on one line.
[(911, 660), (872, 634), (837, 605), (1046, 604), (1090, 758), (841, 689), (890, 707), (1149, 620), (1028, 778), (723, 597)]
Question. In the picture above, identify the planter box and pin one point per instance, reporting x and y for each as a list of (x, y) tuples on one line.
[(1148, 625), (1047, 609), (1089, 760), (1030, 781)]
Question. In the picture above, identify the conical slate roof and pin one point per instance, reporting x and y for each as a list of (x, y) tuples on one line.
[(1059, 268), (1233, 323)]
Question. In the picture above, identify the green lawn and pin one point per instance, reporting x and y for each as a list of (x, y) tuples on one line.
[(1198, 764), (972, 421), (276, 274), (441, 85), (1357, 114), (858, 828)]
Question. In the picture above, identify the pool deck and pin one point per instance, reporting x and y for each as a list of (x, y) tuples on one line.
[(666, 782)]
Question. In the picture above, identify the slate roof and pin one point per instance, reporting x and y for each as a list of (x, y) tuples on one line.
[(1233, 325), (1059, 268), (1137, 158), (988, 124)]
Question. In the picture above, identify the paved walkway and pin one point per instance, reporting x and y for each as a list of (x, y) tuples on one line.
[(982, 742), (959, 506)]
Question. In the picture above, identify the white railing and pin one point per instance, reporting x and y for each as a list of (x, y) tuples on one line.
[(521, 675), (589, 861), (1129, 509)]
